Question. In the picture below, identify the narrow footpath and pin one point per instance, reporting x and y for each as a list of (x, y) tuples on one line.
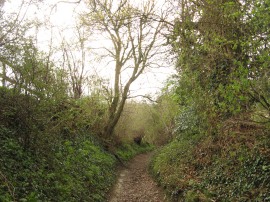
[(134, 184)]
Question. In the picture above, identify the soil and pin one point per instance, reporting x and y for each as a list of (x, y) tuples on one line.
[(134, 183)]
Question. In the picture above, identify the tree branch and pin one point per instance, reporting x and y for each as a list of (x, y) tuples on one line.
[(144, 96)]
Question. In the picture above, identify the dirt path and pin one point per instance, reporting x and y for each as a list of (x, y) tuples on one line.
[(134, 183)]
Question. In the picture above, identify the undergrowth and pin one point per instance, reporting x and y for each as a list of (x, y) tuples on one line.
[(78, 171), (127, 151), (231, 167)]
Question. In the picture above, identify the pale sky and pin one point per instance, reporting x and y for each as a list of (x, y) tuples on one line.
[(60, 20)]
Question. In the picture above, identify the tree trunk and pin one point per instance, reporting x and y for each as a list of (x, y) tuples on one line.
[(113, 120)]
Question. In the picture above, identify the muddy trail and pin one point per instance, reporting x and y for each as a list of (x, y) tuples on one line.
[(134, 183)]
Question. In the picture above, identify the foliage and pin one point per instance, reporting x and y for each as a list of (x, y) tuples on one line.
[(195, 168), (221, 146), (219, 52), (79, 171), (84, 172), (170, 165), (217, 112), (127, 151), (154, 122), (50, 150), (47, 153), (133, 121), (163, 113)]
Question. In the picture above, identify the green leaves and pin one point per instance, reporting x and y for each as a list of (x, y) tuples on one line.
[(48, 150), (223, 95), (128, 151), (83, 172), (78, 171)]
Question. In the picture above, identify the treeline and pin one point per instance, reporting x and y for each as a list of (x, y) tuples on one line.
[(220, 150)]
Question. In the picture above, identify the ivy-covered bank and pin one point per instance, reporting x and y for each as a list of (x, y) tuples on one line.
[(77, 171), (222, 168)]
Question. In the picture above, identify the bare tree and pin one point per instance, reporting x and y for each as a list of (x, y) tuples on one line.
[(134, 35), (74, 58)]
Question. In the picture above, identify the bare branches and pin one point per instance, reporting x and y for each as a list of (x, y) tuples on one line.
[(74, 60), (70, 2), (66, 2), (144, 96), (134, 36), (11, 26)]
